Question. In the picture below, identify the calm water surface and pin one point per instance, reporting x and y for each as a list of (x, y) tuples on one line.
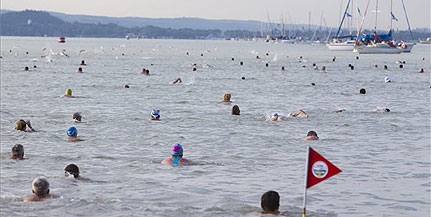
[(385, 157)]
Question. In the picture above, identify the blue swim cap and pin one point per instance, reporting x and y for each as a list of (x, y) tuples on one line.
[(177, 150), (274, 115), (155, 113), (72, 131)]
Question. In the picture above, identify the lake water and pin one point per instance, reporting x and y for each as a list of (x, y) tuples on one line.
[(385, 157)]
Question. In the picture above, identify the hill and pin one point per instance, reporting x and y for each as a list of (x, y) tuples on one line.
[(42, 23), (176, 23)]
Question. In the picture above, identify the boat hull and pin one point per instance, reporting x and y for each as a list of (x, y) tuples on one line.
[(340, 46), (408, 47), (377, 49)]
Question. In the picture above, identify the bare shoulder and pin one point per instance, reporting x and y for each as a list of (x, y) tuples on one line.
[(35, 198), (167, 160)]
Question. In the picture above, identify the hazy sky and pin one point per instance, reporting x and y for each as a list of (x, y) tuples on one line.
[(290, 11)]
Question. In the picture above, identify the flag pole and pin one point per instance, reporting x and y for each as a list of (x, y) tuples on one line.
[(305, 183)]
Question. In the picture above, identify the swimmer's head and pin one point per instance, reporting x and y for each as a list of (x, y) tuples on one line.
[(270, 201), (362, 91), (20, 125), (68, 92), (72, 131), (387, 79), (235, 110), (274, 115), (77, 116), (387, 110), (177, 150), (71, 169), (312, 133), (226, 97), (155, 114), (17, 152), (40, 186)]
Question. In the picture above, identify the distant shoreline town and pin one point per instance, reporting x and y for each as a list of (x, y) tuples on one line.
[(51, 24)]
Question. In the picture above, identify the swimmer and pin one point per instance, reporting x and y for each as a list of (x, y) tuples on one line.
[(226, 97), (79, 70), (155, 115), (40, 189), (17, 152), (300, 113), (126, 86), (388, 79), (282, 68), (362, 91), (83, 63), (177, 156), (421, 71), (21, 125), (26, 68), (382, 110), (315, 66), (311, 135), (68, 93), (323, 68), (72, 134), (270, 203), (77, 117), (275, 117), (177, 81), (72, 170), (340, 110), (235, 110)]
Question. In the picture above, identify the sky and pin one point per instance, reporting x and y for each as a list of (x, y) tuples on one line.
[(322, 12)]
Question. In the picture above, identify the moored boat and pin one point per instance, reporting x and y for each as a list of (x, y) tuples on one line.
[(61, 39), (426, 41), (341, 46), (380, 48)]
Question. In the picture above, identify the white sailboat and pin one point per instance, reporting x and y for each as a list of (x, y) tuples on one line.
[(379, 48), (426, 41), (338, 44), (375, 46)]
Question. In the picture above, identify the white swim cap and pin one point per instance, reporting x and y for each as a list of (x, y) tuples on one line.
[(387, 79)]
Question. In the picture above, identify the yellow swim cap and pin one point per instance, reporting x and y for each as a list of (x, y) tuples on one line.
[(68, 91)]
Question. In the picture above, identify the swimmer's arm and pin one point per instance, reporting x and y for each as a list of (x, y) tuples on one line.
[(29, 126)]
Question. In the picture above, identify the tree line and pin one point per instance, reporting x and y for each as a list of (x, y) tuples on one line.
[(40, 23)]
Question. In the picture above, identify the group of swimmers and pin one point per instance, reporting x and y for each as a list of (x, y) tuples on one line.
[(311, 135), (40, 185)]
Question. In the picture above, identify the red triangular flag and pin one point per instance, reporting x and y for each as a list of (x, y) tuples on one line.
[(319, 168)]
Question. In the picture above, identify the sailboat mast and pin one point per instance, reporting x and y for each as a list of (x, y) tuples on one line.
[(391, 14), (375, 24), (362, 23), (407, 18), (341, 23)]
